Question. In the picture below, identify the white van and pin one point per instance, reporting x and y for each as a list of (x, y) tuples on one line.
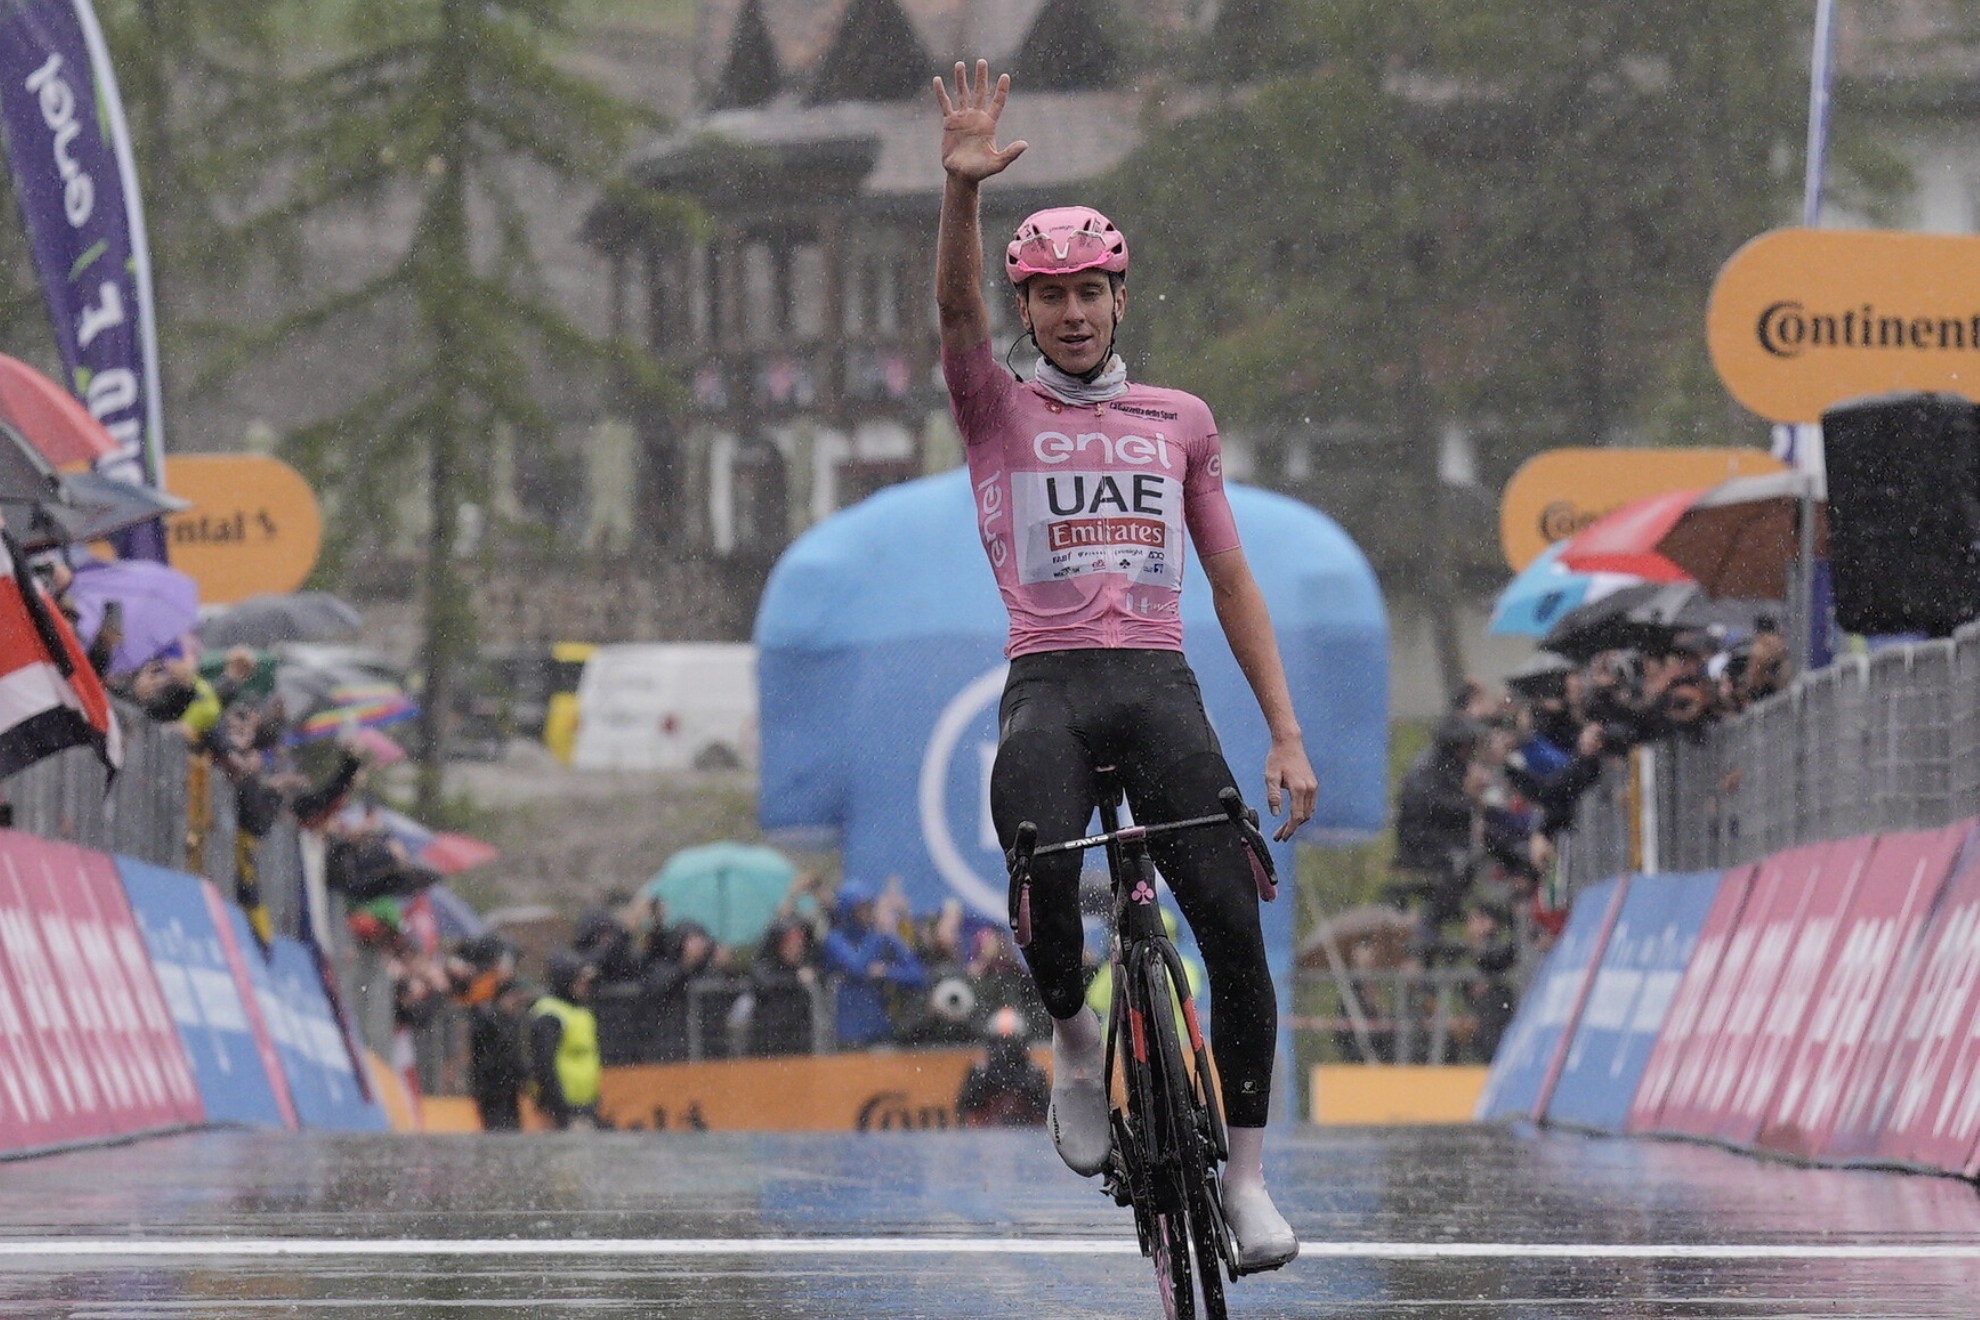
[(668, 706)]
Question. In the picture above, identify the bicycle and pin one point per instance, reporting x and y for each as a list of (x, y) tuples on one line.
[(1168, 1123)]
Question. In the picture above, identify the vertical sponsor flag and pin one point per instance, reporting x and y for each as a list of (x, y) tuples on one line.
[(50, 698), (70, 153)]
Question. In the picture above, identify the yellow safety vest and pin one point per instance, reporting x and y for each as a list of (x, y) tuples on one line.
[(1100, 993), (578, 1068)]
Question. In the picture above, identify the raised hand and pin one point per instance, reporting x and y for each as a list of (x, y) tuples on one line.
[(969, 124)]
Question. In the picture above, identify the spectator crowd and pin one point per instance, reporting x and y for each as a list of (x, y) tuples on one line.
[(1480, 811), (855, 969)]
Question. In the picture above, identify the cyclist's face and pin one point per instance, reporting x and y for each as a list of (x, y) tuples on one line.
[(1073, 317)]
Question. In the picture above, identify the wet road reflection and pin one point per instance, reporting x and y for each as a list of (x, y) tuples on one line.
[(1420, 1223)]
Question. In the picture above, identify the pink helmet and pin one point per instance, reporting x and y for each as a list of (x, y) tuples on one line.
[(1065, 240)]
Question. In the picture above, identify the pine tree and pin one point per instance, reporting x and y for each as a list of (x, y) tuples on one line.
[(439, 105), (1408, 214)]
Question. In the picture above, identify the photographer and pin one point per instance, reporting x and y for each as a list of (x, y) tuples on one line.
[(1435, 819)]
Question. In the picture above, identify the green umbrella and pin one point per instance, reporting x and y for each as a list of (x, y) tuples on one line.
[(731, 888)]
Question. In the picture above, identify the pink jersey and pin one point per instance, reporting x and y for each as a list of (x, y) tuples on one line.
[(1082, 507)]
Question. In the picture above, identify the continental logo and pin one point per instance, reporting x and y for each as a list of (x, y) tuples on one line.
[(1561, 519), (1788, 329), (893, 1111)]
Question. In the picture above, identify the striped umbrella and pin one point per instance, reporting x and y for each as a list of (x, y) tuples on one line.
[(363, 705), (1535, 600)]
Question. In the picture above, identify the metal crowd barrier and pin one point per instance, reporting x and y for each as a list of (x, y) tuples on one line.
[(1886, 741), (1396, 1016), (141, 813)]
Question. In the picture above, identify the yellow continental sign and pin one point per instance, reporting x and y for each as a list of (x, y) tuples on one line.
[(1357, 1094), (1556, 494), (1801, 319), (254, 525), (911, 1090)]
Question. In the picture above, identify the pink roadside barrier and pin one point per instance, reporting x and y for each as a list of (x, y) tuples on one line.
[(1929, 1106), (1687, 1025), (1829, 1010), (1813, 903), (1880, 928), (88, 1049)]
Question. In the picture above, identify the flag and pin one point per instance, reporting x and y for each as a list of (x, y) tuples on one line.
[(50, 698), (70, 153)]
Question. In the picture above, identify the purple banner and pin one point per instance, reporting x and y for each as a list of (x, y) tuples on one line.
[(70, 153)]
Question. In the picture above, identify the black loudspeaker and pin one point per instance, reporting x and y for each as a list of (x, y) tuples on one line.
[(1904, 512)]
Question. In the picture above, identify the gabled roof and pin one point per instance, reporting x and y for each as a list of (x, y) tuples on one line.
[(800, 32), (865, 50), (752, 73), (875, 56)]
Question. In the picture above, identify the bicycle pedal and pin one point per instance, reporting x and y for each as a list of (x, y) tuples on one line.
[(1114, 1180)]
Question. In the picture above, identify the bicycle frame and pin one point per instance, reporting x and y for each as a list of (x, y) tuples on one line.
[(1140, 935), (1160, 1166)]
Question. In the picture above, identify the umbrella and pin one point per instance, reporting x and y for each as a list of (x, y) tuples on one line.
[(26, 475), (97, 507), (58, 426), (1625, 541), (160, 606), (1541, 671), (45, 508), (445, 852), (1739, 537), (733, 889), (456, 918), (1546, 590), (305, 616), (1647, 617), (1388, 928), (308, 677), (379, 747), (373, 705)]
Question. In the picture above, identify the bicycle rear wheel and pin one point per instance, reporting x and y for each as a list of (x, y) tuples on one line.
[(1191, 1228), (1172, 1267)]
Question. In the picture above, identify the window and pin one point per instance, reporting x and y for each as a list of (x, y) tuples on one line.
[(761, 318), (758, 495), (886, 297), (807, 292), (701, 293), (852, 294)]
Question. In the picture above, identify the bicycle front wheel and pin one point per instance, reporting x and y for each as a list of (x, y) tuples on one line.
[(1183, 1160)]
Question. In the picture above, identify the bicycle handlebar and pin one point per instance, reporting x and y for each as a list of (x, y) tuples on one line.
[(1025, 847)]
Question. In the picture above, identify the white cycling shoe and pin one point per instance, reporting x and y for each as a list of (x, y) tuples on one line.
[(1264, 1239), (1081, 1129)]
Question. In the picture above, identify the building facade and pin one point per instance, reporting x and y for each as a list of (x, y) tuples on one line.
[(793, 295)]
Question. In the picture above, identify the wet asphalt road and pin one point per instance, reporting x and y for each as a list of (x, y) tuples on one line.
[(1422, 1223)]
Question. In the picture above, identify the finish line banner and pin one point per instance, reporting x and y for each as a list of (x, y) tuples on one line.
[(70, 154)]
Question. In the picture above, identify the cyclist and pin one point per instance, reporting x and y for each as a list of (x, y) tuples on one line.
[(1084, 484)]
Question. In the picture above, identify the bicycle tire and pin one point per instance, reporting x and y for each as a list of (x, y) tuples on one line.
[(1188, 1140), (1172, 1271), (1209, 1257)]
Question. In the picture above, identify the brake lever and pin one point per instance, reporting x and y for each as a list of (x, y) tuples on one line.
[(1018, 859), (1263, 873)]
